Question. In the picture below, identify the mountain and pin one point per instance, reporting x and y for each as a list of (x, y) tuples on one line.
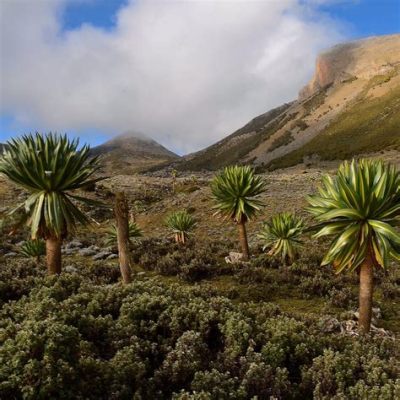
[(132, 152), (351, 106)]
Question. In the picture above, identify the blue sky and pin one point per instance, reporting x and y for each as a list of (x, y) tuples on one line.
[(355, 19), (365, 17)]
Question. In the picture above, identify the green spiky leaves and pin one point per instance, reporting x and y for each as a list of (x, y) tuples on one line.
[(134, 233), (360, 207), (181, 223), (235, 190), (50, 167), (33, 248), (282, 234)]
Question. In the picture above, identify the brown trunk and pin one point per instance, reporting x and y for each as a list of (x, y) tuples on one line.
[(122, 221), (177, 238), (243, 240), (183, 239), (53, 255), (366, 293)]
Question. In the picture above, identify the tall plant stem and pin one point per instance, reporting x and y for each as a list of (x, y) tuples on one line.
[(243, 240), (53, 255), (122, 222)]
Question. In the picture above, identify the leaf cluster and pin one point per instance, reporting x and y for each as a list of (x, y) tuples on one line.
[(235, 190), (282, 233), (360, 207), (49, 167)]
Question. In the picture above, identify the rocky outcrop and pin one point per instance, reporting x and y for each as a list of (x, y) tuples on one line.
[(359, 59)]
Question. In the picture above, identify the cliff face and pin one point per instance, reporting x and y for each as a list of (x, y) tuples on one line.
[(361, 59)]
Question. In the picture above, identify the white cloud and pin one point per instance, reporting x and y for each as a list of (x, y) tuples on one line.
[(184, 72)]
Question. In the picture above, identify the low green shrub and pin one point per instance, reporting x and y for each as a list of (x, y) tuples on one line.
[(71, 339)]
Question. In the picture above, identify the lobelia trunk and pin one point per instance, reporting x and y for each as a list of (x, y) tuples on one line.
[(366, 293), (53, 255), (122, 222), (243, 240)]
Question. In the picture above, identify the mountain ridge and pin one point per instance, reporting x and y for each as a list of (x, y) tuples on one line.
[(356, 82)]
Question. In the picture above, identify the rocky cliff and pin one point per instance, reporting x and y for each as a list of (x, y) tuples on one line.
[(361, 59)]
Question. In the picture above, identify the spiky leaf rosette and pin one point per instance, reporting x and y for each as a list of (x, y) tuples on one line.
[(33, 248), (360, 207), (134, 233), (235, 190), (50, 167), (282, 233), (180, 222)]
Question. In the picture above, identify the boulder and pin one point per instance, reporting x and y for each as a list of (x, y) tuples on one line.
[(74, 244), (234, 258), (10, 254), (87, 252), (102, 255)]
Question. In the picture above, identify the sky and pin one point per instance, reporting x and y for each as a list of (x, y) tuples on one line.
[(185, 73)]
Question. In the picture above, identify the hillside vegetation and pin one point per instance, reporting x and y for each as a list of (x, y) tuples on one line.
[(368, 125), (350, 107)]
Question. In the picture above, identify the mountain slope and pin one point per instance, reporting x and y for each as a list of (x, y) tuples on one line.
[(350, 106), (238, 144), (131, 152)]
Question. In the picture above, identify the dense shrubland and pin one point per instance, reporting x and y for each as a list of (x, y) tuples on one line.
[(70, 338)]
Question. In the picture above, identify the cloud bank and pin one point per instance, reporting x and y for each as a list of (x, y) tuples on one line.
[(183, 72)]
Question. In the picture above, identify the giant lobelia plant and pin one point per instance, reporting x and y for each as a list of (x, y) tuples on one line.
[(360, 207), (235, 192), (50, 167)]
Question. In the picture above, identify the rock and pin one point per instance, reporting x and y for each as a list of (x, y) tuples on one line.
[(141, 273), (350, 327), (70, 269), (10, 254), (87, 252), (74, 244), (112, 256), (68, 252), (102, 255), (374, 56), (377, 313), (233, 257)]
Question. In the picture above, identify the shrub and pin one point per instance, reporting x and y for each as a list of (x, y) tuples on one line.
[(357, 372), (71, 339), (343, 298), (18, 279)]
